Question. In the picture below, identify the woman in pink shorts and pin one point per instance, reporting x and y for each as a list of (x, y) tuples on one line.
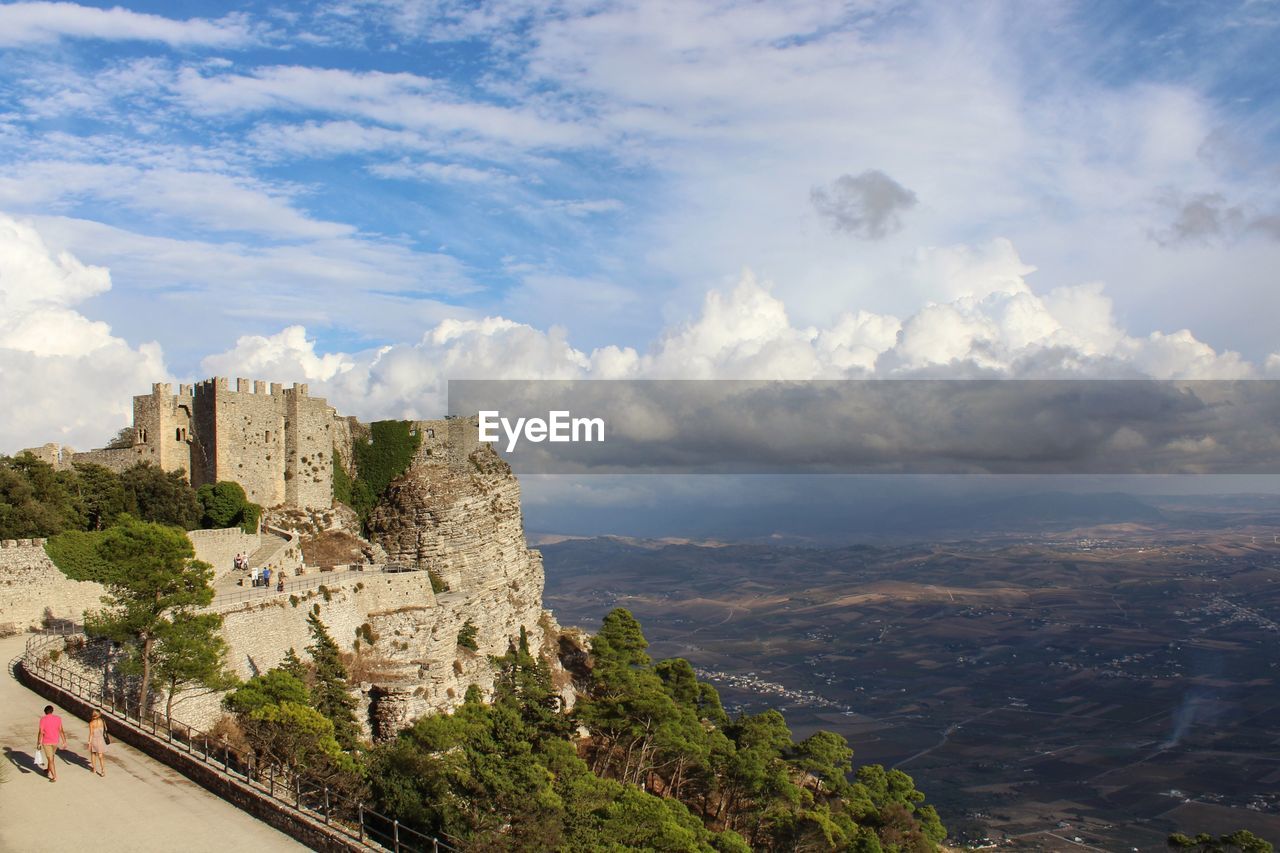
[(49, 736)]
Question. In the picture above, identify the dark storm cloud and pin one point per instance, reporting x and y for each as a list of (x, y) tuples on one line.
[(896, 426), (867, 206), (1207, 217)]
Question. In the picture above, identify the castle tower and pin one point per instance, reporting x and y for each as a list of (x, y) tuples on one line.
[(276, 442), (162, 427)]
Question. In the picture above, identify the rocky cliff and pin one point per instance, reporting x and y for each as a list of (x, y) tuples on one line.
[(452, 516), (460, 521)]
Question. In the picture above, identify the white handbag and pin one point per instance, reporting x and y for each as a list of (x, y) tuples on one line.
[(40, 762)]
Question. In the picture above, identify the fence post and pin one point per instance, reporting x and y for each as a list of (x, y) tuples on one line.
[(326, 805), (271, 776), (395, 835), (360, 813), (297, 792), (205, 755)]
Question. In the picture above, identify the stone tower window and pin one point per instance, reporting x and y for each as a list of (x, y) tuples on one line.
[(431, 433), (268, 434)]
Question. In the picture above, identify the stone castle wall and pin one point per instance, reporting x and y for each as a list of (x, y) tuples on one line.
[(276, 442), (30, 585)]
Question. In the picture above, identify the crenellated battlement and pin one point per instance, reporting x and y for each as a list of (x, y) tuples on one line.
[(221, 385)]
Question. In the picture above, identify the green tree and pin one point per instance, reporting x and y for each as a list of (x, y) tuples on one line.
[(300, 739), (224, 504), (467, 636), (190, 653), (826, 757), (34, 499), (295, 666), (275, 713), (123, 439), (627, 707), (330, 689), (270, 688), (99, 495), (75, 553), (1242, 840), (151, 576), (161, 496), (524, 682)]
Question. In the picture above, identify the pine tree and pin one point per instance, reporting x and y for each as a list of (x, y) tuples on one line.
[(294, 665), (330, 689)]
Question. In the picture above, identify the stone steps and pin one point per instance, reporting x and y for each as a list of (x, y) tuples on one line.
[(273, 545)]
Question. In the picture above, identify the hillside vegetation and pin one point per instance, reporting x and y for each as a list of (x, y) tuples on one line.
[(648, 760)]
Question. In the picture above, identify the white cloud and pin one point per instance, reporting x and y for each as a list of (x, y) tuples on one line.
[(398, 100), (36, 23), (426, 170), (286, 353), (408, 380), (210, 200), (997, 328), (63, 377)]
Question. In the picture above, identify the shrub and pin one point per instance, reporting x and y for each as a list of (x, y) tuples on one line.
[(75, 553), (225, 504), (467, 637)]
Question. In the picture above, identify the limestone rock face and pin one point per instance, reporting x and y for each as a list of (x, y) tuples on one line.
[(463, 523)]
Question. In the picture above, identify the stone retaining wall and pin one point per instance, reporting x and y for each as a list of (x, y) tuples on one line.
[(30, 585)]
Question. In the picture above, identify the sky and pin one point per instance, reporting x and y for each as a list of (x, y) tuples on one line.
[(375, 196)]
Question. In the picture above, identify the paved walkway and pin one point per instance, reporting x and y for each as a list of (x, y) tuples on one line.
[(140, 805)]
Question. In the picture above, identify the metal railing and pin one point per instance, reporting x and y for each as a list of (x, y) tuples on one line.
[(319, 804), (305, 583)]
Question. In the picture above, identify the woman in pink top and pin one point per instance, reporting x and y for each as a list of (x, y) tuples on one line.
[(49, 735)]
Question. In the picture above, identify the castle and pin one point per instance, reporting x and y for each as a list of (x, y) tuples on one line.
[(455, 510), (276, 442)]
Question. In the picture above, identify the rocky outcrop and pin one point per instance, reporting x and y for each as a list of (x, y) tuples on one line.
[(462, 523)]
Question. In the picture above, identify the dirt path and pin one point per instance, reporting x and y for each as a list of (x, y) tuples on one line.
[(140, 805)]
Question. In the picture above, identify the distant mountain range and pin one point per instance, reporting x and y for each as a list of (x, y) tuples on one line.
[(950, 517)]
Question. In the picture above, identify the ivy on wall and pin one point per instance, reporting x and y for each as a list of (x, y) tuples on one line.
[(381, 457)]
